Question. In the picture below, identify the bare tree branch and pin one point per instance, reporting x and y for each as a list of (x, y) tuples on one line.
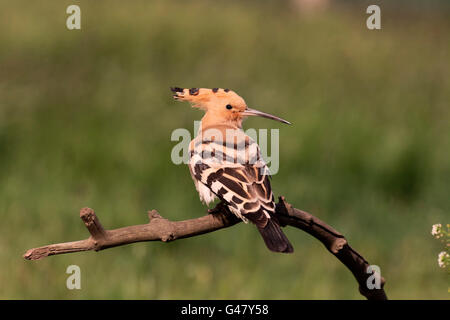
[(335, 242), (161, 229)]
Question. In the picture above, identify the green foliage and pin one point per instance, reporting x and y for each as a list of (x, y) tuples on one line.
[(86, 118)]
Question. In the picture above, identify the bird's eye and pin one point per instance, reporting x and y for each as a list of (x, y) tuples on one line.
[(229, 106)]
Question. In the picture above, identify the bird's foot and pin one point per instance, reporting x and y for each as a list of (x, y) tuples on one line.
[(221, 207)]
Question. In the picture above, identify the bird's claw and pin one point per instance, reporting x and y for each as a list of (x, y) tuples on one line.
[(221, 207)]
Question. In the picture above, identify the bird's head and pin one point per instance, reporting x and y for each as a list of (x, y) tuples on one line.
[(220, 105)]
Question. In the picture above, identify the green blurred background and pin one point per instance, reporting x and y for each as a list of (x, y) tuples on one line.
[(86, 118)]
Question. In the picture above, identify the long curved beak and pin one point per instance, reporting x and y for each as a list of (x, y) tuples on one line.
[(253, 112)]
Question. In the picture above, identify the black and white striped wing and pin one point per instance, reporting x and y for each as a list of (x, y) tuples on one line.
[(244, 187)]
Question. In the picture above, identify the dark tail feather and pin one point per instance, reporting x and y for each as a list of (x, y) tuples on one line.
[(274, 238)]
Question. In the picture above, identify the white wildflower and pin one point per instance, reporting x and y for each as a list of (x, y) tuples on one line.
[(436, 230), (443, 256)]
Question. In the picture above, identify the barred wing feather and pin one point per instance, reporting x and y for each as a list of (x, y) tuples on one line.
[(240, 177)]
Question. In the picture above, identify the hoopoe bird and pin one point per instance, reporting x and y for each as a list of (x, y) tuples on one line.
[(227, 164)]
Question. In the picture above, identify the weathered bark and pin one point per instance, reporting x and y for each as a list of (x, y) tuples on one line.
[(161, 229)]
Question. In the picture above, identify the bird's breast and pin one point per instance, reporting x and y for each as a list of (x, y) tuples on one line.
[(224, 146)]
